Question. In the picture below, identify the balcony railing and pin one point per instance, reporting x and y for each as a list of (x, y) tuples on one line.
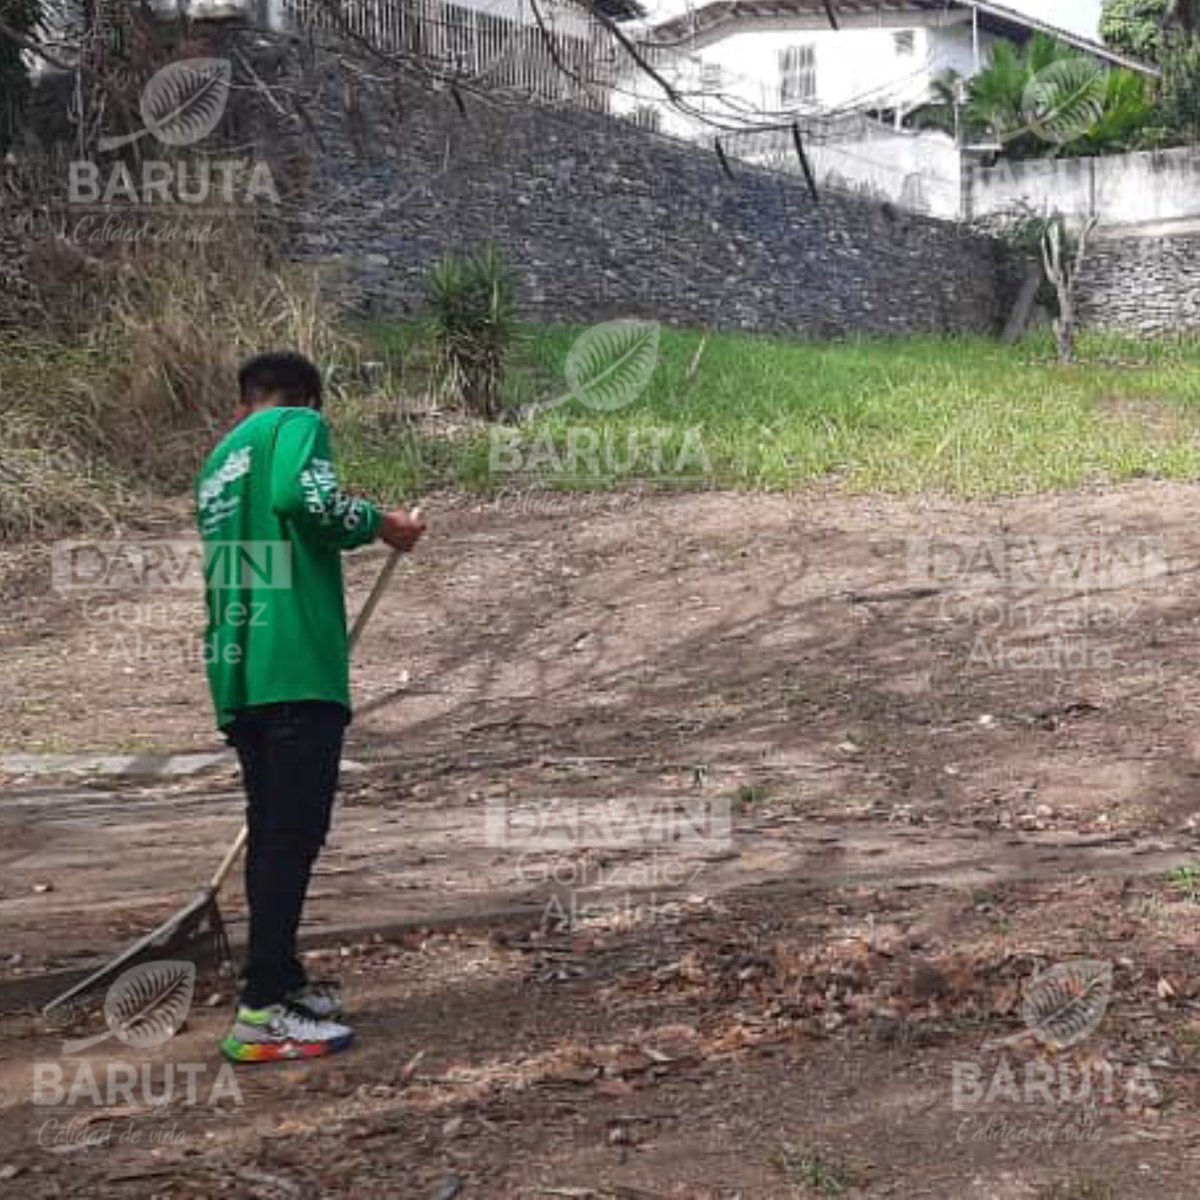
[(566, 56)]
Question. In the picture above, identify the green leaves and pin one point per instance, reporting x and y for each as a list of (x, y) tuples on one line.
[(1134, 27), (1128, 111), (471, 300), (996, 95), (1179, 101), (1048, 99)]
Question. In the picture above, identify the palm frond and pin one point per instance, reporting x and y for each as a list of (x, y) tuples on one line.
[(1066, 99)]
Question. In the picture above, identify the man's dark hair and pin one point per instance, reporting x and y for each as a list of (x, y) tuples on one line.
[(284, 374)]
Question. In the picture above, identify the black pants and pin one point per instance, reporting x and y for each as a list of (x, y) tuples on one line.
[(290, 754)]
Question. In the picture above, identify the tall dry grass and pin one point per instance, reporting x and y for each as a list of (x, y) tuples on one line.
[(132, 374)]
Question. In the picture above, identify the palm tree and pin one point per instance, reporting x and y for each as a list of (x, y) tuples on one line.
[(998, 97), (1127, 109), (1041, 98)]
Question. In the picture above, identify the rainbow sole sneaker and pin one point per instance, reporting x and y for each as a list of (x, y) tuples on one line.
[(278, 1034)]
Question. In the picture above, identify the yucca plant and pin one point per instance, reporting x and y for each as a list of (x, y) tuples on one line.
[(472, 317)]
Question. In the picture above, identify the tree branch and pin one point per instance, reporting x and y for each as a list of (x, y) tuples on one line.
[(31, 46), (628, 46)]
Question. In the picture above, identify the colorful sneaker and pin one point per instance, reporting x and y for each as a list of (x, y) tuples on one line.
[(276, 1033), (319, 1001)]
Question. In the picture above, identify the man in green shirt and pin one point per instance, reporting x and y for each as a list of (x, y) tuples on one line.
[(274, 524)]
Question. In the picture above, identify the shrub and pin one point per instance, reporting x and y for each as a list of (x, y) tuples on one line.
[(472, 318)]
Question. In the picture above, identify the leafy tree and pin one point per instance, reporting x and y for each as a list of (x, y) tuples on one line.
[(1143, 28), (1164, 32), (1127, 110), (996, 97), (1179, 92), (1135, 27)]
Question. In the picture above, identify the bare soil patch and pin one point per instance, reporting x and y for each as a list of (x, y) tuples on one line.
[(941, 785)]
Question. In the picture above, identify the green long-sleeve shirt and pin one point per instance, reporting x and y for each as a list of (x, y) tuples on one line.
[(274, 524)]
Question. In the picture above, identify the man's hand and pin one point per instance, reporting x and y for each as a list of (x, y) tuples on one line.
[(401, 530)]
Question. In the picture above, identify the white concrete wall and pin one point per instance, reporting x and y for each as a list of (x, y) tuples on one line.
[(919, 172), (1122, 189), (924, 172)]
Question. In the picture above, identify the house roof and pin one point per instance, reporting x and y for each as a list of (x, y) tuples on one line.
[(712, 21)]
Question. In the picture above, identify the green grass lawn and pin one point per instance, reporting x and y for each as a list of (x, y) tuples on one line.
[(964, 416)]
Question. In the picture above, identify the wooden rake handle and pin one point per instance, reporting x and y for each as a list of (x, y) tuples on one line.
[(231, 856), (372, 602), (381, 586)]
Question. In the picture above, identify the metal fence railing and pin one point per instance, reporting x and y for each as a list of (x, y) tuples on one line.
[(550, 50)]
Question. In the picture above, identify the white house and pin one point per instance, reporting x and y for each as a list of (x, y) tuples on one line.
[(742, 62), (845, 72), (743, 72)]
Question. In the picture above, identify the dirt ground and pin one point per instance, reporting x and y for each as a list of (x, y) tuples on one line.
[(954, 758)]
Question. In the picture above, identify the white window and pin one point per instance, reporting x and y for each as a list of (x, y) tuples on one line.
[(797, 74), (905, 42)]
